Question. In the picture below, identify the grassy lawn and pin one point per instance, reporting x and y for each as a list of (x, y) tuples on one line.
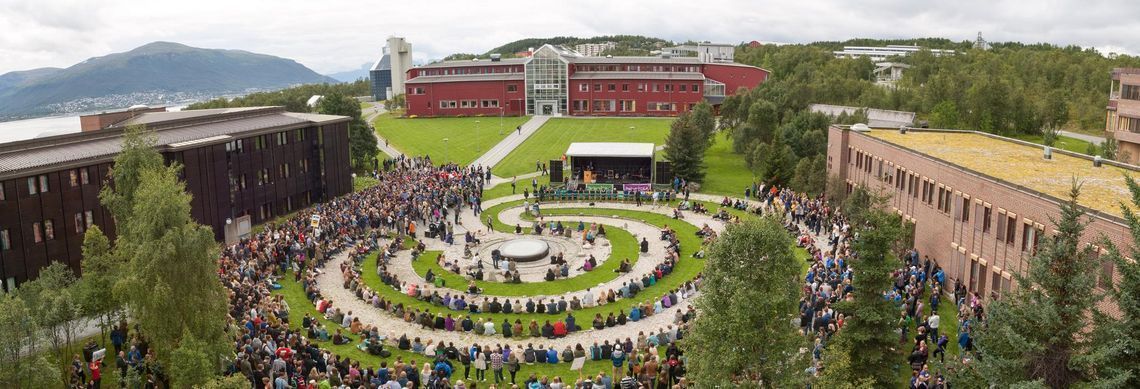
[(362, 182), (622, 242), (366, 104), (556, 135), (684, 271), (1063, 142), (299, 305), (726, 173), (504, 189), (467, 139)]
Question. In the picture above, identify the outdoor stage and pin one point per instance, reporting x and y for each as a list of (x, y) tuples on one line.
[(611, 166)]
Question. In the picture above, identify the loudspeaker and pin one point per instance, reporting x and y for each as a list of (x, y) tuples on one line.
[(555, 171), (664, 173)]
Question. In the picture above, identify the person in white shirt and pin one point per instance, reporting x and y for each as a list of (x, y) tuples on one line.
[(588, 299), (489, 328), (933, 321)]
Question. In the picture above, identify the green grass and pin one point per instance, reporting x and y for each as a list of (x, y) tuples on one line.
[(365, 104), (552, 140), (1063, 142), (726, 172), (685, 270), (363, 182), (504, 189), (299, 305), (623, 246), (467, 139)]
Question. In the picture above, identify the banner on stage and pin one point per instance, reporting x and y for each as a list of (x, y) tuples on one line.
[(599, 186), (637, 187)]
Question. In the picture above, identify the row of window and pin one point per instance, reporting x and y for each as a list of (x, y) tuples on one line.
[(957, 204), (451, 104), (45, 230), (39, 184), (263, 141), (471, 70), (1130, 92), (642, 87), (638, 68)]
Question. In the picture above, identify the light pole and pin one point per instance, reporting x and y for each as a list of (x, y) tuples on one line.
[(446, 154)]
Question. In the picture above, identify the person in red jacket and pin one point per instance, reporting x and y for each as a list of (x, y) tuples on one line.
[(559, 329), (95, 375)]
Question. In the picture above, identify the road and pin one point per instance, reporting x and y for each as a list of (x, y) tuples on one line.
[(1085, 137)]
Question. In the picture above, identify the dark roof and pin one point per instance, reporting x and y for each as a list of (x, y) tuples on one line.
[(636, 76), (466, 78), (173, 130)]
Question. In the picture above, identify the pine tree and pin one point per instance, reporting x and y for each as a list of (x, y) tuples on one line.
[(1033, 336), (750, 297), (1120, 363), (685, 147), (862, 353), (702, 118)]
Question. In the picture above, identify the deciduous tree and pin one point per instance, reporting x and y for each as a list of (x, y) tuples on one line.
[(749, 301)]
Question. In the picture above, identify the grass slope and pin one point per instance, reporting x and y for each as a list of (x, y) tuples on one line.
[(556, 135), (468, 138), (726, 172)]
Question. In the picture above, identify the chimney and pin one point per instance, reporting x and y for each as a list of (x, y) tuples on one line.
[(1096, 161), (1048, 152)]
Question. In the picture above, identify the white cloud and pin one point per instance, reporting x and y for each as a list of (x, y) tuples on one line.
[(338, 35)]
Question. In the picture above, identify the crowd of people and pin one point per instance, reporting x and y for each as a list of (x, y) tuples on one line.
[(271, 353)]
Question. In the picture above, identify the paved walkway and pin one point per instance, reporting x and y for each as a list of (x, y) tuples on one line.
[(1085, 137), (514, 139)]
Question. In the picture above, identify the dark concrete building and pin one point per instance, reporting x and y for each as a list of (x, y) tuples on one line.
[(258, 162)]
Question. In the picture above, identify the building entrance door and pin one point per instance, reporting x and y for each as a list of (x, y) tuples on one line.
[(547, 108)]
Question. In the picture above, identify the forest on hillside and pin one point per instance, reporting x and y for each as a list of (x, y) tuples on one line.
[(1012, 88)]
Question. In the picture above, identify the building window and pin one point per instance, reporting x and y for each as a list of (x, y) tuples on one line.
[(282, 139), (3, 196), (5, 241), (660, 106), (73, 177), (242, 182), (695, 88), (263, 177), (284, 170), (604, 105), (84, 176), (78, 221), (656, 87), (1130, 92), (416, 91), (628, 106), (447, 104), (43, 183), (597, 87), (1030, 237), (258, 143), (641, 87), (611, 87), (683, 88), (89, 219), (490, 103), (511, 88), (299, 135), (1104, 279), (583, 88), (37, 232), (625, 87), (668, 87), (49, 229), (581, 105)]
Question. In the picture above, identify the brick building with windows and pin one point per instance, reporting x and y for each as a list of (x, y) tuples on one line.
[(555, 80), (258, 162), (1123, 113), (979, 202)]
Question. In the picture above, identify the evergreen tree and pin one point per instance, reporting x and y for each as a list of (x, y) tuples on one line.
[(862, 353), (810, 175), (751, 296), (685, 147), (170, 283), (944, 115), (1035, 335), (763, 120), (774, 163), (1120, 363)]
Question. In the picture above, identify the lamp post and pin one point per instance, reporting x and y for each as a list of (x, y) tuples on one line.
[(446, 154)]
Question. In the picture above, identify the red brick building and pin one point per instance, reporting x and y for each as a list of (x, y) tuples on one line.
[(559, 81), (980, 202), (258, 162), (1123, 113)]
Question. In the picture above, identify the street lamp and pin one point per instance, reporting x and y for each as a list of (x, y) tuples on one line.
[(446, 155)]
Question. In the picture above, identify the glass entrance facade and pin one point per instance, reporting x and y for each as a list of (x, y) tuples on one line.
[(546, 82)]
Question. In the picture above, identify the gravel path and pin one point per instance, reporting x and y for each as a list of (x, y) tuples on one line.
[(331, 286)]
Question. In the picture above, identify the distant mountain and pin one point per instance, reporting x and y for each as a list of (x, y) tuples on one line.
[(352, 75), (159, 72)]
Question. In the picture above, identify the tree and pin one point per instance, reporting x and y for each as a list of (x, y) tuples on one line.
[(763, 119), (944, 115), (362, 146), (1120, 365), (396, 102), (773, 163), (101, 269), (751, 297), (136, 156), (685, 147), (702, 118), (810, 175), (868, 351), (24, 365), (1034, 336), (1108, 149), (170, 257)]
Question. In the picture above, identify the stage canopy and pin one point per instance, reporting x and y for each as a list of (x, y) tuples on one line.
[(610, 149)]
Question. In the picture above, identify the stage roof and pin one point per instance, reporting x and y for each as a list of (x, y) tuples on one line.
[(610, 149)]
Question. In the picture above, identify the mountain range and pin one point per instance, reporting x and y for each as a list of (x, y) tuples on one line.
[(155, 73)]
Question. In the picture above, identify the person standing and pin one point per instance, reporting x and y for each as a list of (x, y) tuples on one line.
[(513, 180), (497, 365), (519, 129)]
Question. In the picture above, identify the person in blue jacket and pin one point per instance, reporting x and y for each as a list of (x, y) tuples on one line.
[(552, 355)]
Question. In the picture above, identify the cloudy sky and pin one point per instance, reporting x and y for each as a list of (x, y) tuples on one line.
[(336, 35)]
